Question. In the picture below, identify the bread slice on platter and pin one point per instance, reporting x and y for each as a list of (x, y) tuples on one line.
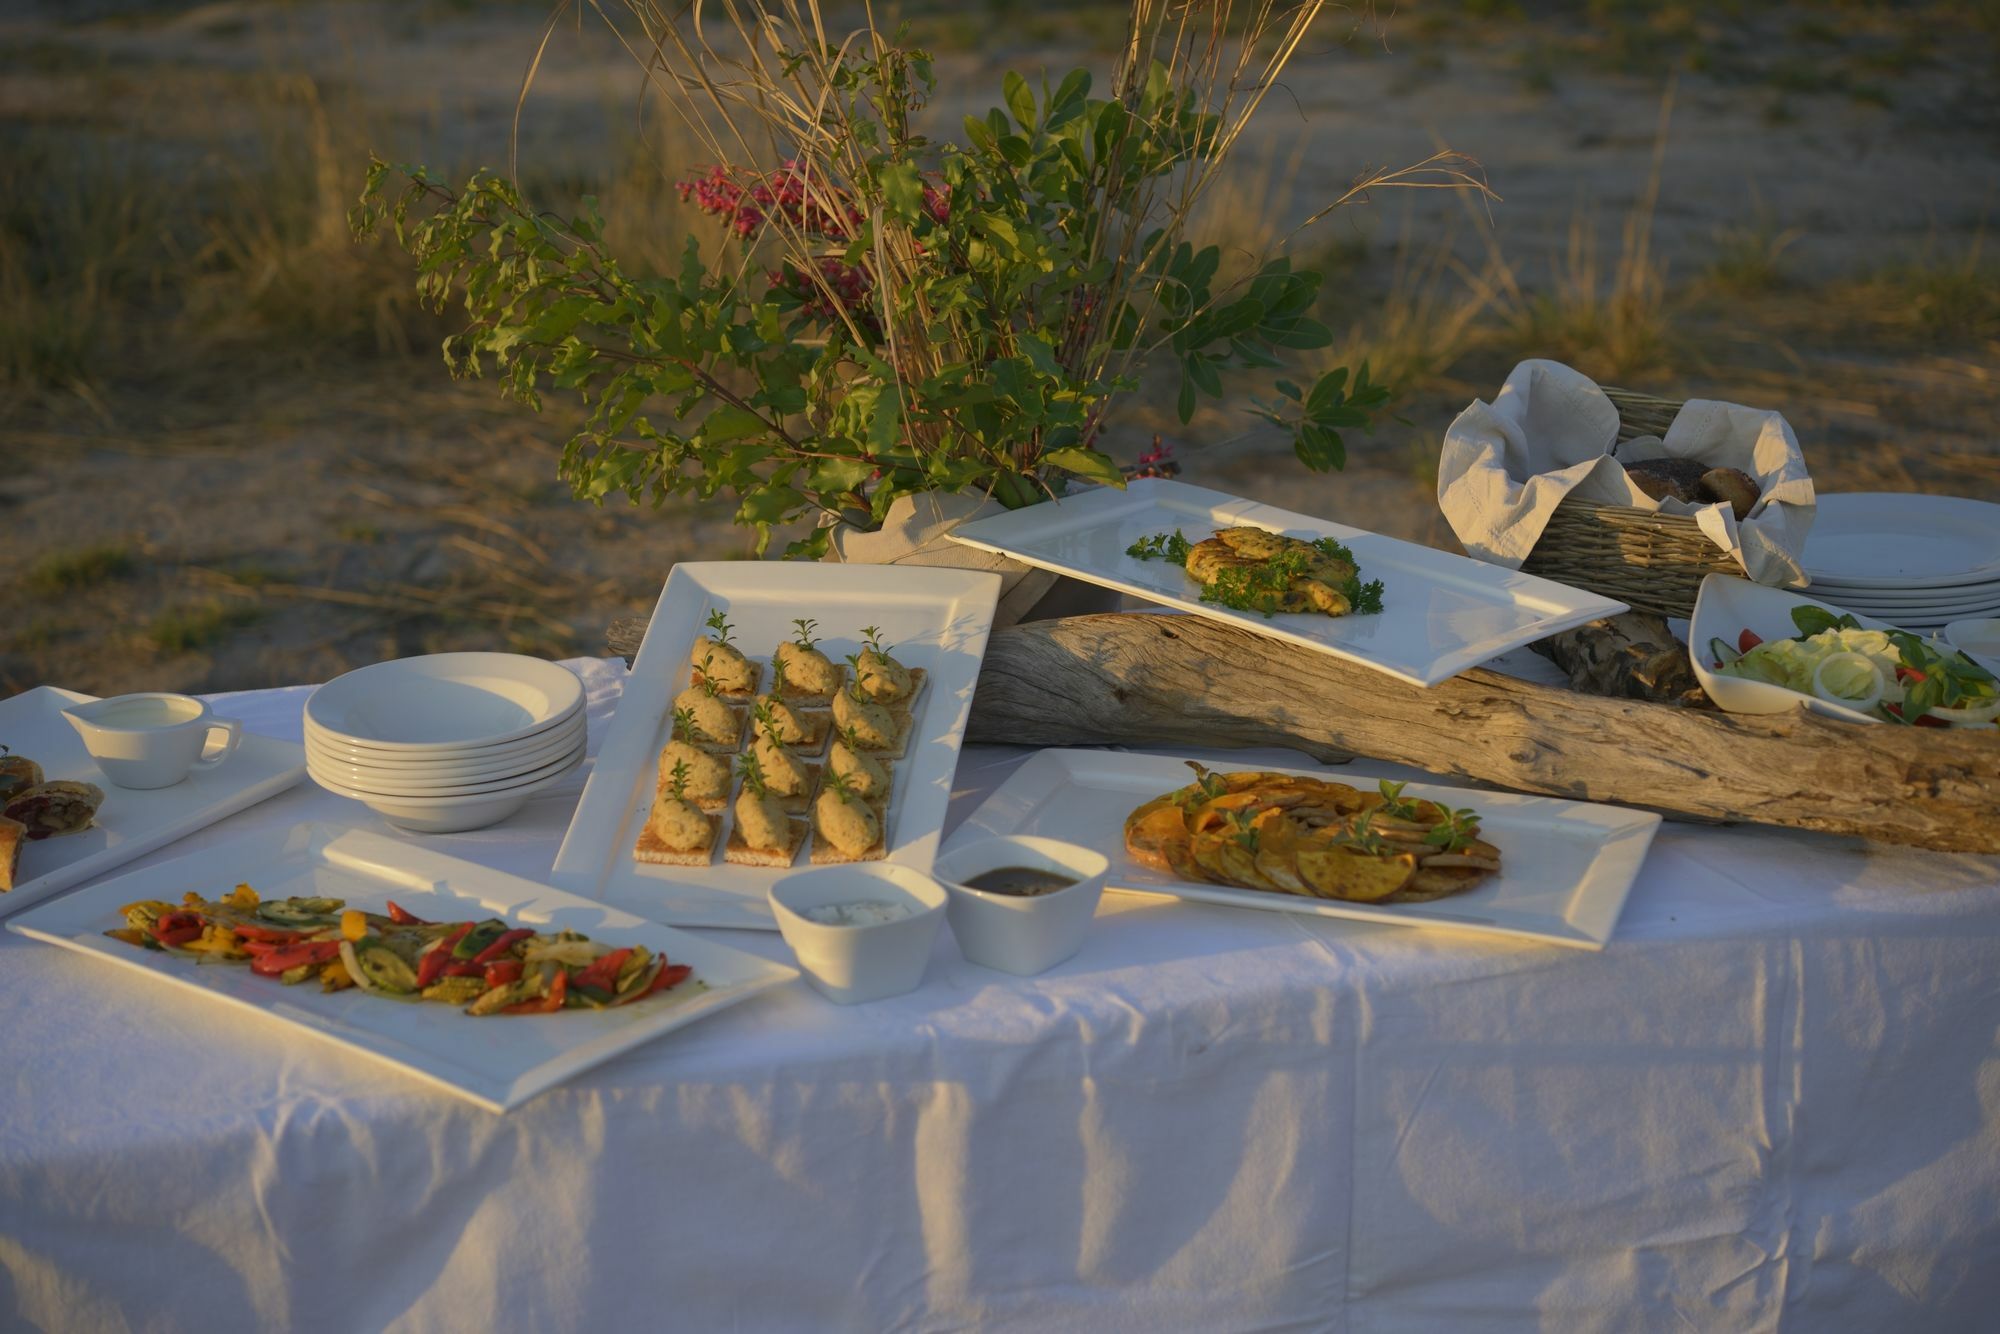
[(13, 837)]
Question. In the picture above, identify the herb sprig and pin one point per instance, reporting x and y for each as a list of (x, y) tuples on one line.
[(1456, 831)]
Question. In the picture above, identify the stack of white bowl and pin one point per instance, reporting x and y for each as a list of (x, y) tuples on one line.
[(446, 742)]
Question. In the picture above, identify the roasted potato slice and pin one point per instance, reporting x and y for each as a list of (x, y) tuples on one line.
[(1332, 871), (1239, 865), (1178, 853), (1206, 850), (1147, 828), (1277, 853), (1439, 882)]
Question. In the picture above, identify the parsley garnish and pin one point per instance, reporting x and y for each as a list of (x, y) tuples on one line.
[(1162, 546)]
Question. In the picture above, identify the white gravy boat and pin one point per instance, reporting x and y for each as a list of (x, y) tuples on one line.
[(152, 740)]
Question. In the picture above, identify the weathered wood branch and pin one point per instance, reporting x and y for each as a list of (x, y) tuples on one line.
[(1140, 679)]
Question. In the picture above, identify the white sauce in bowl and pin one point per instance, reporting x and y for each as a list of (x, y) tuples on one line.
[(861, 912)]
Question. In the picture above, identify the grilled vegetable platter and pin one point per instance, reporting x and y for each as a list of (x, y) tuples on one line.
[(487, 966)]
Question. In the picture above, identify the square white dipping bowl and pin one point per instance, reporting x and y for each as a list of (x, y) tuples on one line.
[(852, 964), (1024, 934)]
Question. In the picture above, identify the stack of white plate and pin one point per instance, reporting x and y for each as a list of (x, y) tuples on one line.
[(446, 742), (1916, 561)]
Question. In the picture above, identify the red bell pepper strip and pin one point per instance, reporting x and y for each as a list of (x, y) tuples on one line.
[(432, 963), (602, 972), (669, 977), (463, 968), (402, 916), (269, 935), (1748, 640), (1908, 673), (177, 928), (503, 973), (505, 941), (273, 962), (547, 1004)]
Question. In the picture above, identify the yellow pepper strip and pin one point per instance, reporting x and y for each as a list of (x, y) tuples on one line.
[(334, 976), (219, 941), (353, 924), (145, 912), (241, 897)]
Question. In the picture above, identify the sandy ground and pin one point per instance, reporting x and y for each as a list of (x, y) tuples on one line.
[(284, 526)]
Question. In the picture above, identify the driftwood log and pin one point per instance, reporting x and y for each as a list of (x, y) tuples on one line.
[(1141, 679)]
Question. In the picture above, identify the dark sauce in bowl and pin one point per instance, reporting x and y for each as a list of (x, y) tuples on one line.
[(1020, 881)]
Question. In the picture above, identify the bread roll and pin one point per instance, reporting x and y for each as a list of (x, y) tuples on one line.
[(1664, 479), (1732, 487)]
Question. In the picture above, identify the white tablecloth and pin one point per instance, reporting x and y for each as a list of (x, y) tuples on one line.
[(1772, 1103)]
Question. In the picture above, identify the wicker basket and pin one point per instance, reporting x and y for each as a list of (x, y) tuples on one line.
[(1653, 561)]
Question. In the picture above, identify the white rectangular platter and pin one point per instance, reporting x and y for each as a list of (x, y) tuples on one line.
[(1440, 613), (1566, 866), (934, 619), (498, 1063), (130, 823)]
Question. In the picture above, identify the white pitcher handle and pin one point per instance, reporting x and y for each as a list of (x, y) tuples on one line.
[(232, 736)]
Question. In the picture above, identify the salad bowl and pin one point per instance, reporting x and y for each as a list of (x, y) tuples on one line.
[(1727, 607)]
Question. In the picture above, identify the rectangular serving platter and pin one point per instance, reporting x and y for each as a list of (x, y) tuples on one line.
[(1566, 866), (934, 619), (130, 823), (1440, 613), (498, 1063)]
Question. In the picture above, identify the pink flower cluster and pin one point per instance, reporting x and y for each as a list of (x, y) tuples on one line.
[(744, 199), (1158, 461), (849, 282)]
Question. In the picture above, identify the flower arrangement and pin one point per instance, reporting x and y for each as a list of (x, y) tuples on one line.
[(892, 313)]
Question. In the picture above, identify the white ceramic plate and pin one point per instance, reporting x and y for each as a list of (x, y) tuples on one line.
[(130, 823), (373, 785), (1566, 865), (444, 701), (1724, 609), (497, 1063), (1914, 606), (1872, 539), (524, 784), (936, 619), (559, 742), (1441, 613), (542, 738)]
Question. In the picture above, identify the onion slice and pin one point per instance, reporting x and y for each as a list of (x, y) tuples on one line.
[(1856, 666), (1972, 717)]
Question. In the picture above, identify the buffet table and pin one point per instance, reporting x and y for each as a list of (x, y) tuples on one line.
[(1773, 1102)]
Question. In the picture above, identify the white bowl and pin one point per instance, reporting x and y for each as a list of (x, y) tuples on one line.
[(853, 964), (1978, 639), (447, 815), (1724, 609), (1012, 932), (397, 786), (496, 763), (444, 701)]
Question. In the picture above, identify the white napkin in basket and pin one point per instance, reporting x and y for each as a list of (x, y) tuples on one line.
[(1550, 432)]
